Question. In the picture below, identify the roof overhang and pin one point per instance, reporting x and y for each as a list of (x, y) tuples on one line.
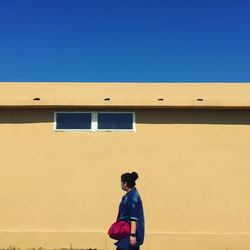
[(124, 95)]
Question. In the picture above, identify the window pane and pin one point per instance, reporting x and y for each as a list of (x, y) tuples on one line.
[(115, 120), (73, 120)]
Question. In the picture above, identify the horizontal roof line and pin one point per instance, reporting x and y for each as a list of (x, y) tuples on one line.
[(106, 94)]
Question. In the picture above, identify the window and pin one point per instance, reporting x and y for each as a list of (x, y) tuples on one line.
[(73, 121), (115, 121), (94, 121)]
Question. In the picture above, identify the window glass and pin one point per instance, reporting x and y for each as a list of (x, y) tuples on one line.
[(73, 120), (117, 121)]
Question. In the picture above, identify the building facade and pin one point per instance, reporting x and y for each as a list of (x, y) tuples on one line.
[(65, 145)]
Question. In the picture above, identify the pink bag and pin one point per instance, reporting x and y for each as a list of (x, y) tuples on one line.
[(119, 230)]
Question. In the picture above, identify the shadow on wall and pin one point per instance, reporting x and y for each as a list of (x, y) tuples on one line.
[(195, 116), (143, 116)]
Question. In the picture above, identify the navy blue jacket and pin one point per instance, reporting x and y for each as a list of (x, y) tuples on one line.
[(131, 209)]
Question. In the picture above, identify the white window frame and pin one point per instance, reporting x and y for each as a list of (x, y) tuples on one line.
[(72, 130), (94, 122)]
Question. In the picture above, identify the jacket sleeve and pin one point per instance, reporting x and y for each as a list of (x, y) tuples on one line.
[(133, 209)]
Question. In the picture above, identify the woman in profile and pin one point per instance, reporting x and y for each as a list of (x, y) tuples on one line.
[(131, 210)]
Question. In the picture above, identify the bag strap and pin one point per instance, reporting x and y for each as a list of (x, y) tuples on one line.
[(118, 216)]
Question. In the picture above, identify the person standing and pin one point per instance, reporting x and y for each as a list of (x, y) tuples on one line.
[(131, 210)]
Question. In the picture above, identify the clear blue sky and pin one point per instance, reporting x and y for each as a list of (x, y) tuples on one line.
[(125, 40)]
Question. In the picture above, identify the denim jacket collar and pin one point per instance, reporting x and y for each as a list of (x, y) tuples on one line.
[(130, 192)]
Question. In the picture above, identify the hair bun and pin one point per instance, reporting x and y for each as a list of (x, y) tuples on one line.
[(134, 175)]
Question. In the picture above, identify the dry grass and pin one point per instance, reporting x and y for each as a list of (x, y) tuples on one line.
[(41, 248)]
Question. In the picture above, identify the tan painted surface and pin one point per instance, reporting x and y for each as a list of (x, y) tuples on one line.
[(62, 188), (174, 95)]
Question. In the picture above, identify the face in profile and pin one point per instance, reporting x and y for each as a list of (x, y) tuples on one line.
[(123, 186)]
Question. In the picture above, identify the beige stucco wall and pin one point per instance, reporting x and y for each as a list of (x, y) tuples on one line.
[(60, 188)]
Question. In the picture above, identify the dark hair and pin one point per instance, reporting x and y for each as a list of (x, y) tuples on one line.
[(129, 178)]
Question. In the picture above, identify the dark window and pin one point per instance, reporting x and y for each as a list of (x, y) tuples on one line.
[(115, 121), (73, 120)]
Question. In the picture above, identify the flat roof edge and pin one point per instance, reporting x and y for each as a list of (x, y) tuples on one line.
[(127, 106)]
